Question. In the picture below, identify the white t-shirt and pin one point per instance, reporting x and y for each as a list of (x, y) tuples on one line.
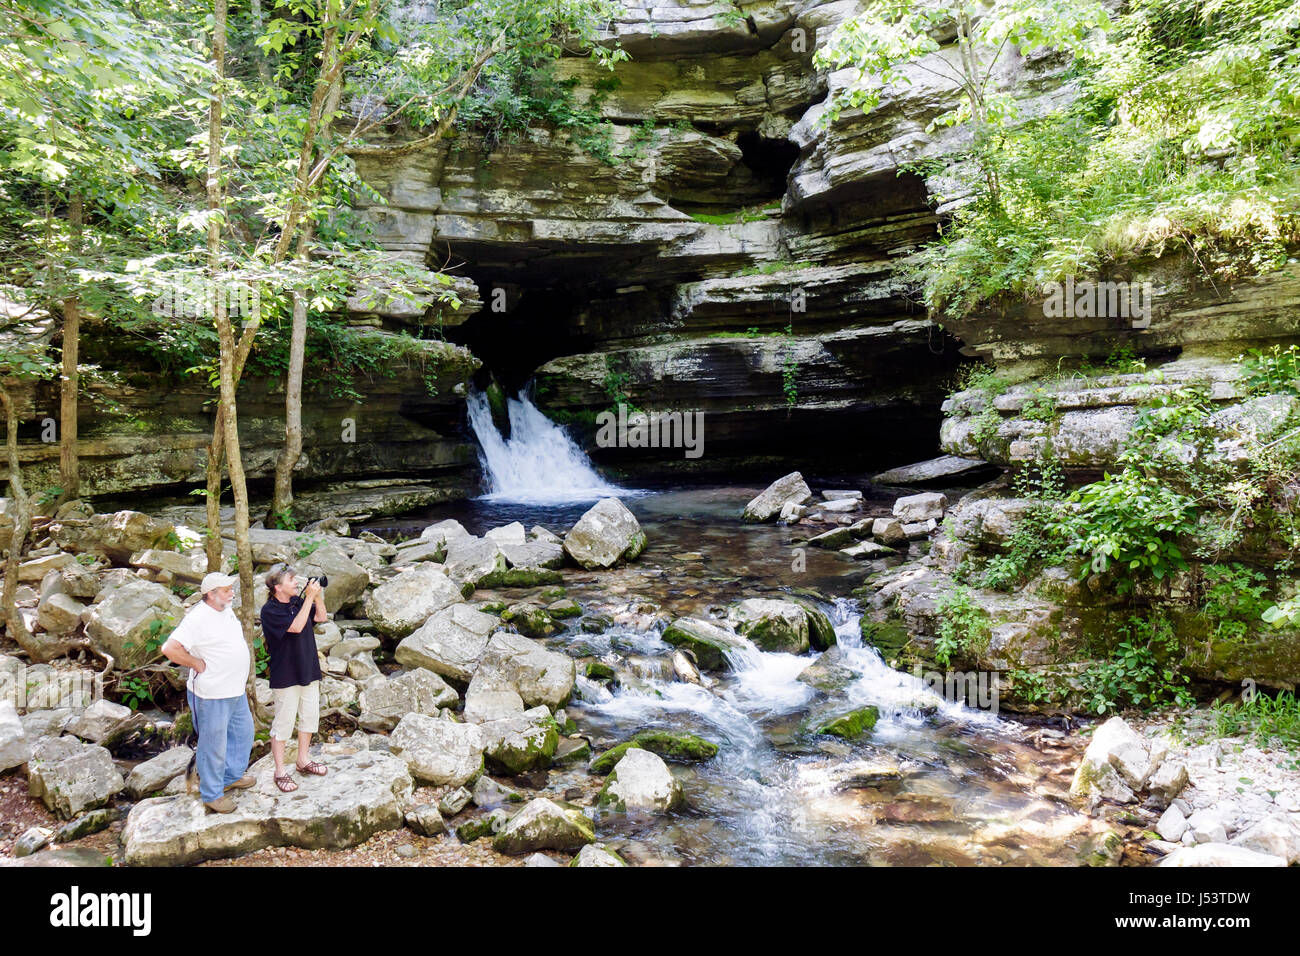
[(217, 638)]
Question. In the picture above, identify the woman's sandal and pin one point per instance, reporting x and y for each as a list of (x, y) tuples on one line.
[(313, 768), (286, 784)]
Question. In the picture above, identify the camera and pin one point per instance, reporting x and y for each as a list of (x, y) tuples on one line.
[(323, 579)]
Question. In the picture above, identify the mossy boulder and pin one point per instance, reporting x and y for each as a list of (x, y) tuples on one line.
[(518, 578), (773, 625), (850, 726), (527, 741), (672, 745), (564, 609), (821, 633), (711, 644), (544, 825), (828, 673), (598, 671), (530, 620)]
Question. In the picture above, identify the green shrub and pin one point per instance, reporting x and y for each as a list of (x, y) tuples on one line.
[(1129, 524), (963, 625), (1142, 670)]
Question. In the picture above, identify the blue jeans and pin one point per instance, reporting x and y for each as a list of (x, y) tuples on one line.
[(225, 729)]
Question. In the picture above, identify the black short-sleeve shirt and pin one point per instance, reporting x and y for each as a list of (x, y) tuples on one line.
[(294, 662)]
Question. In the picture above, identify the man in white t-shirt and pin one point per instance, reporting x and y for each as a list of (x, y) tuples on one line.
[(210, 642)]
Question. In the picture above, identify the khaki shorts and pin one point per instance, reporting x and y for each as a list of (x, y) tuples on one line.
[(301, 702)]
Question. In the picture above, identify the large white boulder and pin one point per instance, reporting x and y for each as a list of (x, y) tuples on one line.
[(539, 676), (641, 782), (449, 643), (606, 535), (363, 793), (70, 776), (438, 751), (400, 605), (791, 489)]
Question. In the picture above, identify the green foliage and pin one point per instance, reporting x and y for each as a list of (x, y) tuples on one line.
[(963, 625), (1129, 524), (307, 545), (1271, 722), (1282, 614), (1040, 406), (261, 657), (1271, 372), (1233, 601), (790, 372), (1183, 136), (135, 692), (284, 519), (1142, 670), (615, 384)]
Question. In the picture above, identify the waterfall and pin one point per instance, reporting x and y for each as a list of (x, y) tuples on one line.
[(539, 463)]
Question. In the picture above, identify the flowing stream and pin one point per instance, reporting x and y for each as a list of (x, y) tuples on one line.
[(935, 783)]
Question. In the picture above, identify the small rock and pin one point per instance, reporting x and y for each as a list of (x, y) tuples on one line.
[(426, 820), (454, 801), (32, 840)]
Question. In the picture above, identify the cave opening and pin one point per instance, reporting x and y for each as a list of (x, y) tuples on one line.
[(768, 161)]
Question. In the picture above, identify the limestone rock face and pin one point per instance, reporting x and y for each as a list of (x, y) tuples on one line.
[(363, 793), (123, 622), (607, 534), (118, 535), (69, 776), (400, 605)]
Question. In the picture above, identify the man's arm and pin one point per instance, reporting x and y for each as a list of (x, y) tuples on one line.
[(322, 615), (177, 654)]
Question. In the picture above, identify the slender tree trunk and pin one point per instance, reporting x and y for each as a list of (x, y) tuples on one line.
[(226, 336), (216, 456), (282, 501), (21, 514), (69, 469)]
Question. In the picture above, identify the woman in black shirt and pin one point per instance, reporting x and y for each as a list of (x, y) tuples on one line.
[(295, 667)]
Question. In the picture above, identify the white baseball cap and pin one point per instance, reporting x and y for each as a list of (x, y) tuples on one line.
[(216, 580)]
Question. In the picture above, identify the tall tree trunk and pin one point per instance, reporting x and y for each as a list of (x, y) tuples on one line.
[(69, 469), (226, 336), (282, 501), (21, 514)]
